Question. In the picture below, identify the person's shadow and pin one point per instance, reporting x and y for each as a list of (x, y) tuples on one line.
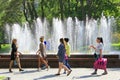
[(26, 72), (4, 72), (30, 71), (46, 77), (85, 76)]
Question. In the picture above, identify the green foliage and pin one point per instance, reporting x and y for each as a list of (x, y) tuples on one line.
[(79, 8), (116, 46), (5, 48), (117, 25), (12, 11), (116, 37)]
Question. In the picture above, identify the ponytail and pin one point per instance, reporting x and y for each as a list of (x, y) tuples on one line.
[(101, 39)]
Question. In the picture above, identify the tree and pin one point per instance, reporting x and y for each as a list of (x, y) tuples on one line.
[(61, 9), (10, 14), (18, 11), (29, 10)]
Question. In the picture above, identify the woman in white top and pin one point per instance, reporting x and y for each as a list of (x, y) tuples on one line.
[(98, 52)]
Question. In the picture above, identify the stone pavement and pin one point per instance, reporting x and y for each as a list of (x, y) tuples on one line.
[(77, 74)]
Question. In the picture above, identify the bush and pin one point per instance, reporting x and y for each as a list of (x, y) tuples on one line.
[(116, 37), (5, 48), (116, 46)]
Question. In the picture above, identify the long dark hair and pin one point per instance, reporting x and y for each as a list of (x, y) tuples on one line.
[(101, 39), (66, 39), (62, 40)]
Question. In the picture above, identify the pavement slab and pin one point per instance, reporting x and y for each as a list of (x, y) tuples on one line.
[(76, 74)]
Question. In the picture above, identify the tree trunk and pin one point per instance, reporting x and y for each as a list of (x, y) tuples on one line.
[(89, 7), (33, 9), (30, 11), (25, 10), (42, 8), (76, 7), (69, 12), (82, 11), (61, 8), (83, 17), (0, 46)]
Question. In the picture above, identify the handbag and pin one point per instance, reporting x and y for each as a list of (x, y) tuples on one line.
[(101, 63), (66, 57), (95, 55)]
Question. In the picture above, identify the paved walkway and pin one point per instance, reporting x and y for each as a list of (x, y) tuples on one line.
[(77, 74)]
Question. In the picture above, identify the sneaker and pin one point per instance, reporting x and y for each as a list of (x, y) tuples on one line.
[(104, 73), (64, 72), (39, 69), (69, 72), (94, 73), (48, 68), (43, 68)]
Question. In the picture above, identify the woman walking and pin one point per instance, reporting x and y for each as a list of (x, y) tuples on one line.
[(61, 55), (67, 54), (15, 55), (98, 52), (42, 54)]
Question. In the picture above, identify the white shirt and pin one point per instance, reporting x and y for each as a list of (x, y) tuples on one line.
[(99, 46)]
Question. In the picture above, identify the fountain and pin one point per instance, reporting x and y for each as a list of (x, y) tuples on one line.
[(80, 33)]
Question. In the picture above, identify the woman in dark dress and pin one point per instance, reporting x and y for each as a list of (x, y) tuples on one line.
[(14, 55), (61, 54)]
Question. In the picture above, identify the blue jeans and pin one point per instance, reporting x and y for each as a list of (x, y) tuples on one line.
[(67, 64)]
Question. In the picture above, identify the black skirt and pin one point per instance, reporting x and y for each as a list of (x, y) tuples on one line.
[(12, 56)]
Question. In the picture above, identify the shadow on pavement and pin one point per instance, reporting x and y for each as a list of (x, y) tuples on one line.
[(86, 76), (26, 72), (30, 71), (4, 72), (114, 69), (46, 77)]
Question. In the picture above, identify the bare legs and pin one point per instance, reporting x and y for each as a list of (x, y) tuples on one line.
[(10, 66), (41, 60), (18, 63), (61, 65)]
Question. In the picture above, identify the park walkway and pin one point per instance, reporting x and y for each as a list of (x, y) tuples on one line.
[(77, 74)]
